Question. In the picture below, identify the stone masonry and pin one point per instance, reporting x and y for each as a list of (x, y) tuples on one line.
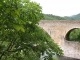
[(58, 30)]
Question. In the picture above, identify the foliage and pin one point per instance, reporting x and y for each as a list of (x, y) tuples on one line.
[(73, 17), (20, 36), (75, 35), (52, 17)]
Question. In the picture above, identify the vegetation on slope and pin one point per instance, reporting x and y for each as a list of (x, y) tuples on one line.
[(73, 17), (52, 17)]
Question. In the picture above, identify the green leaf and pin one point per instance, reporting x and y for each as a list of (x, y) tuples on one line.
[(19, 27)]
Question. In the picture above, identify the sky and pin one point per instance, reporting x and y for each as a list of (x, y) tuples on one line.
[(60, 7)]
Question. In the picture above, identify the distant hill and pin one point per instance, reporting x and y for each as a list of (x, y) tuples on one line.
[(73, 17), (53, 17)]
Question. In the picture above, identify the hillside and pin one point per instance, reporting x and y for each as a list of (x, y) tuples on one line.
[(53, 17), (73, 17)]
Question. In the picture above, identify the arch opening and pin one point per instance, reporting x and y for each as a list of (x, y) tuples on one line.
[(73, 35)]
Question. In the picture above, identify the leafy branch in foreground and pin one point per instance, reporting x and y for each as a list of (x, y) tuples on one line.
[(20, 36)]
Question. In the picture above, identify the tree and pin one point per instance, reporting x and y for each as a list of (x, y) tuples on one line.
[(75, 35), (20, 36)]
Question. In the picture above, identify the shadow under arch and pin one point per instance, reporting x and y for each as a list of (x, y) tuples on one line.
[(68, 33)]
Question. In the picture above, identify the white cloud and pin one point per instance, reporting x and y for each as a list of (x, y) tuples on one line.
[(60, 7)]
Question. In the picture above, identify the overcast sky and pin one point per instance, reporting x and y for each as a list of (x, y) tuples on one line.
[(60, 7)]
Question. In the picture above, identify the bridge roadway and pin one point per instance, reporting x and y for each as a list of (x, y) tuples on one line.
[(59, 30)]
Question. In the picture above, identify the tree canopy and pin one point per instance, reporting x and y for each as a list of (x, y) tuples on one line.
[(74, 35), (20, 36)]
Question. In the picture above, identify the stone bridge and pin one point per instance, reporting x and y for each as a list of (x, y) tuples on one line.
[(59, 30)]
